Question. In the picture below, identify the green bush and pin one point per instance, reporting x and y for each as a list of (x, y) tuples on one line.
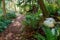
[(32, 20), (11, 15), (5, 22)]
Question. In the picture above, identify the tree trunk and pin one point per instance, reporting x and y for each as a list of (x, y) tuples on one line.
[(4, 10), (43, 8)]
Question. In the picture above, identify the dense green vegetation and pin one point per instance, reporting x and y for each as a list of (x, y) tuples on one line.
[(36, 13), (5, 22)]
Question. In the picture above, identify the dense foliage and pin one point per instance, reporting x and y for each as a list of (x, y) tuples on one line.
[(34, 18), (4, 23), (33, 22)]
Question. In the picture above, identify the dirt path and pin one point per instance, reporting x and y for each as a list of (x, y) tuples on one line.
[(14, 30)]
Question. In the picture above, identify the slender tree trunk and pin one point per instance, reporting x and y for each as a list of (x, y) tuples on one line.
[(43, 8), (4, 10)]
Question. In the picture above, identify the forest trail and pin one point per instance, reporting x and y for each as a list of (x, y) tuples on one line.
[(14, 30)]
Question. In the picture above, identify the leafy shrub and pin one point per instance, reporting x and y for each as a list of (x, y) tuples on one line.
[(5, 22), (52, 8), (38, 36), (32, 20), (11, 15), (3, 25)]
